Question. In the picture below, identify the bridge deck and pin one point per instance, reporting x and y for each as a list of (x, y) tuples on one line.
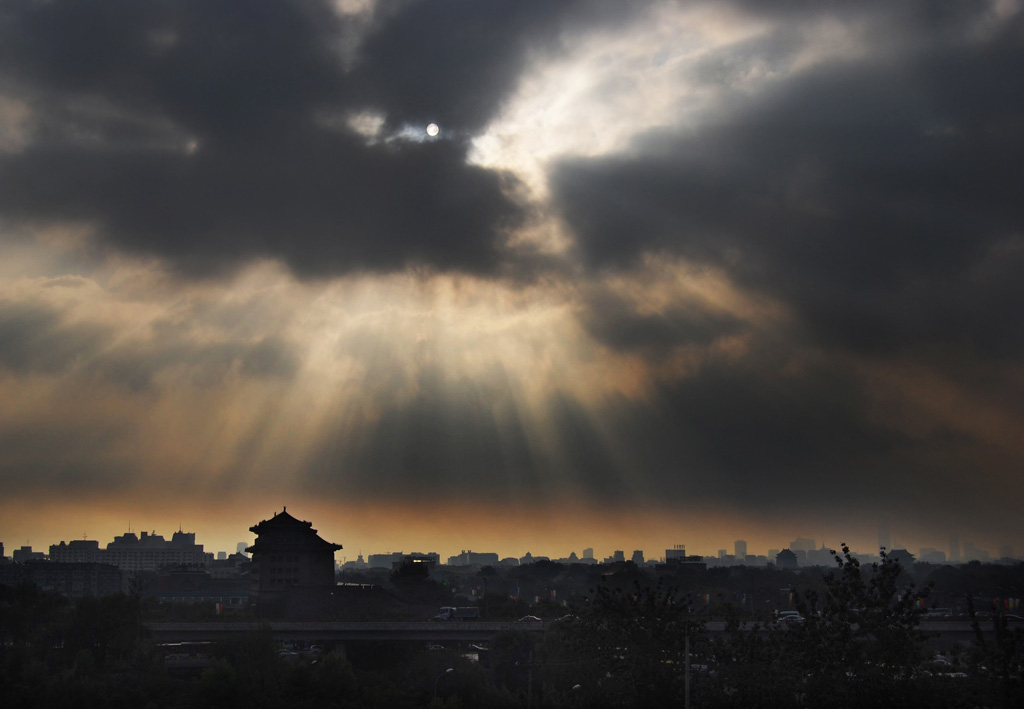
[(342, 630), (431, 630)]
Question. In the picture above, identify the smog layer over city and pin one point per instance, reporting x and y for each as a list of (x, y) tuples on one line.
[(654, 288)]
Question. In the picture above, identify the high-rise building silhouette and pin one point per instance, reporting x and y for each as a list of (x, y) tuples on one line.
[(78, 551), (24, 554), (802, 544), (131, 553), (469, 557), (740, 550), (150, 551), (884, 542)]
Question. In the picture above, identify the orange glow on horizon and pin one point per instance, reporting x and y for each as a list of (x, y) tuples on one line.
[(510, 530)]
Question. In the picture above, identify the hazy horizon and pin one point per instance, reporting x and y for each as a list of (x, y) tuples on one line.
[(555, 538)]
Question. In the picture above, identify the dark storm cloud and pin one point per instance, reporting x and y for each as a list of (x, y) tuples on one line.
[(877, 200), (455, 62), (327, 205), (614, 321), (35, 338), (187, 129), (866, 195), (757, 434), (202, 365), (874, 198)]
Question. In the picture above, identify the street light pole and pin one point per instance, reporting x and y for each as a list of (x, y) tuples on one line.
[(686, 690), (438, 678), (573, 689)]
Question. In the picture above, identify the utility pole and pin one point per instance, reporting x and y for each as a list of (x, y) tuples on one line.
[(686, 691), (529, 682)]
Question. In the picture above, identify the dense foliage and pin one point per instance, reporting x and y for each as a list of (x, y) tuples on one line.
[(854, 637)]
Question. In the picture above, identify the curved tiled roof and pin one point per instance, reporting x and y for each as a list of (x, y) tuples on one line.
[(284, 531)]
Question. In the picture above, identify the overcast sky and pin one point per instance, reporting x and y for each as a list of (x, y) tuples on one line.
[(669, 272)]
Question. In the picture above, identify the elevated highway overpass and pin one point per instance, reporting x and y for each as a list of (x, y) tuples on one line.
[(439, 631), (335, 631)]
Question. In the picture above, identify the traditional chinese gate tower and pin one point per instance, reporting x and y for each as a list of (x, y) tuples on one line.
[(289, 556)]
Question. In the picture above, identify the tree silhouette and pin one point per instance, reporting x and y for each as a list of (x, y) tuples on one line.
[(625, 648), (860, 635)]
